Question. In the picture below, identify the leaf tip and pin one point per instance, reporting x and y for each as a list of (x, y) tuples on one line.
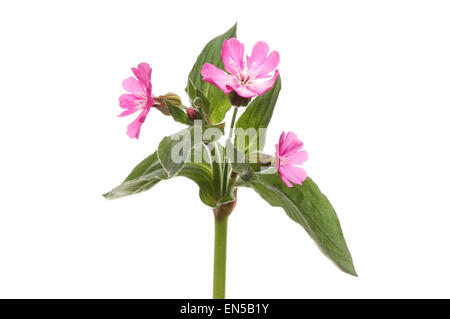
[(349, 269), (353, 272), (232, 30)]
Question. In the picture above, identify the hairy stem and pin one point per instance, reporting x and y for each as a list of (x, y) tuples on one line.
[(233, 119), (221, 214), (220, 256)]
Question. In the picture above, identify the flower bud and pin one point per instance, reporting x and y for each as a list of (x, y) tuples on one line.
[(161, 105), (172, 98), (192, 114), (260, 161)]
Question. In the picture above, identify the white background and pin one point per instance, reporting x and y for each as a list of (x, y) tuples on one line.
[(365, 85)]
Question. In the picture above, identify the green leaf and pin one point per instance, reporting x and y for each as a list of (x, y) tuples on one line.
[(177, 113), (174, 150), (227, 187), (143, 177), (307, 206), (201, 173), (190, 90), (220, 105), (216, 153), (211, 53), (257, 115), (202, 102), (149, 172)]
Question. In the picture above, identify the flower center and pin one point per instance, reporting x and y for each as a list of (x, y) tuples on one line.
[(142, 102), (243, 75), (282, 161), (243, 78)]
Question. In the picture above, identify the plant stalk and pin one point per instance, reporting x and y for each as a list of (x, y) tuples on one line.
[(233, 119), (221, 214), (220, 256)]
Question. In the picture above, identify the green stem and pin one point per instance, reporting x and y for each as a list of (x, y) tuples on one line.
[(220, 256), (233, 119)]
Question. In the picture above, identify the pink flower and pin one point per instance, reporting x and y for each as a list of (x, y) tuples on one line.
[(288, 155), (140, 97), (248, 78)]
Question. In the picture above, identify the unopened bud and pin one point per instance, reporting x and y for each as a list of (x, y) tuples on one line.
[(192, 114), (260, 161), (172, 98), (161, 105)]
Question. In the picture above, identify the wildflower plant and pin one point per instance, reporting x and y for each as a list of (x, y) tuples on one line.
[(221, 162)]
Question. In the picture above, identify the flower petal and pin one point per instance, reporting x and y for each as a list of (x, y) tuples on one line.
[(144, 74), (219, 78), (296, 175), (128, 112), (131, 103), (286, 181), (266, 67), (259, 55), (127, 101), (132, 85), (135, 127), (259, 87), (291, 144), (297, 158), (294, 149), (233, 56), (244, 91), (281, 142)]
